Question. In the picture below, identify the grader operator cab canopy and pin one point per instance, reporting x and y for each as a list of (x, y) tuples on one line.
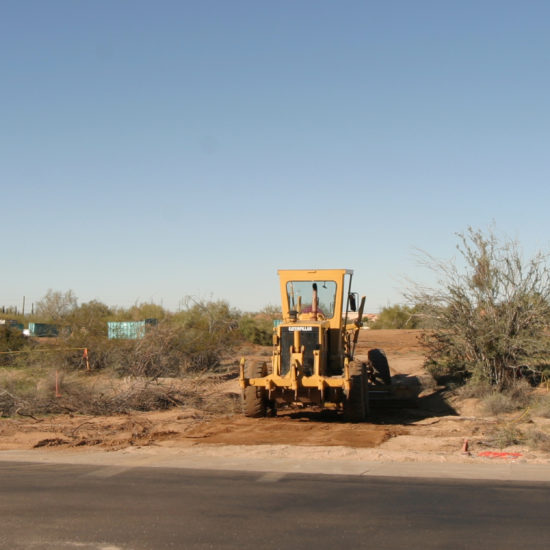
[(316, 295)]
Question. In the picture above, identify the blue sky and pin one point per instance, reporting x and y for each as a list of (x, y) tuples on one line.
[(154, 150)]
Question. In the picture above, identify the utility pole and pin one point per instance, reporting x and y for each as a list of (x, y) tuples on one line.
[(23, 310)]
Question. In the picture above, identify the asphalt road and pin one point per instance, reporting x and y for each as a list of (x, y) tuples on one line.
[(85, 507)]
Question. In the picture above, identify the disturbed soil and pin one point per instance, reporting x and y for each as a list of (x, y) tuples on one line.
[(423, 423)]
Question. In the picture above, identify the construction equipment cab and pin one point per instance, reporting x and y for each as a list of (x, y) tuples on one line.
[(313, 348)]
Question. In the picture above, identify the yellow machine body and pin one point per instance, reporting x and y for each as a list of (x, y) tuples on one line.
[(313, 345)]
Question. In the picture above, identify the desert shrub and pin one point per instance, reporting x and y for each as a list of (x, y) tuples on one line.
[(163, 352), (478, 387), (18, 387), (541, 406), (140, 395), (538, 440), (77, 394), (505, 436), (514, 397), (498, 403), (55, 354), (257, 330), (12, 340), (490, 314), (102, 353), (520, 391), (138, 312), (160, 353), (396, 317), (209, 330), (8, 403), (222, 404), (191, 341), (34, 393), (90, 319)]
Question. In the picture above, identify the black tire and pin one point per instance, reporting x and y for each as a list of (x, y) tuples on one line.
[(355, 405), (255, 398), (380, 367), (366, 393)]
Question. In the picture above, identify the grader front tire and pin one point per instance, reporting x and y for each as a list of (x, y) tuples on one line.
[(255, 398), (356, 404)]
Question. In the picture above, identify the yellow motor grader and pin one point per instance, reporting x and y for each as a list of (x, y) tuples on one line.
[(313, 349)]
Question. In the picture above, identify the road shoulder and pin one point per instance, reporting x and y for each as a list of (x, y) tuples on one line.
[(195, 458)]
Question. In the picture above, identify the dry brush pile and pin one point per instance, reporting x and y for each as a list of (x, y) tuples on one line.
[(176, 364)]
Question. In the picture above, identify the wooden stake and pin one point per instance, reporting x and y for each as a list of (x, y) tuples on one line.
[(57, 394)]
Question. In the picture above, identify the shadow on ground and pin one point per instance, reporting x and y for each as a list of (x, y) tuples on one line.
[(405, 403), (392, 411)]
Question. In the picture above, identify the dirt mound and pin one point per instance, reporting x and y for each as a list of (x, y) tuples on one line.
[(306, 428)]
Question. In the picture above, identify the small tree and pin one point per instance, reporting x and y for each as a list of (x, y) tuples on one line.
[(145, 310), (491, 315), (209, 329), (55, 305), (91, 317)]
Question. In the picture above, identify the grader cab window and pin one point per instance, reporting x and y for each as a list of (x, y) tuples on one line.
[(300, 295)]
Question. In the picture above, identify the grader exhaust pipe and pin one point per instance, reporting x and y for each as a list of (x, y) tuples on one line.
[(314, 301)]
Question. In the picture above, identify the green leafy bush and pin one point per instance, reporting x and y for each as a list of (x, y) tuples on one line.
[(490, 313), (396, 317), (257, 331), (11, 340)]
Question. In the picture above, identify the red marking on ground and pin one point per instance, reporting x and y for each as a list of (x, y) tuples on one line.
[(493, 454)]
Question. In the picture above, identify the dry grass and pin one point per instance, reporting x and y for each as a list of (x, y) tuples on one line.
[(541, 406), (39, 393), (516, 397), (475, 388), (538, 440), (506, 436), (496, 404)]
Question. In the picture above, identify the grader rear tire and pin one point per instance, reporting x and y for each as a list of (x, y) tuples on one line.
[(255, 398), (380, 367), (356, 405)]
